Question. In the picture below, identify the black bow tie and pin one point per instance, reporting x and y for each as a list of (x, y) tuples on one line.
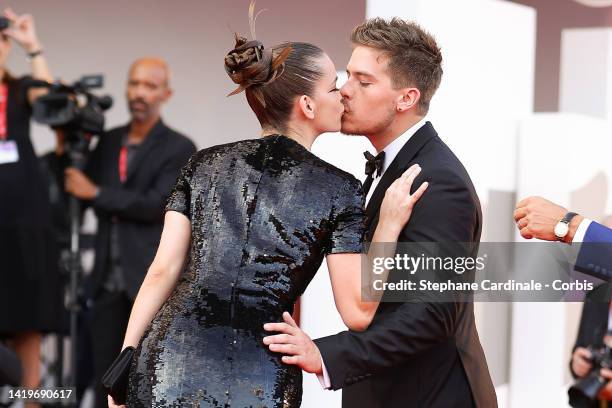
[(374, 163)]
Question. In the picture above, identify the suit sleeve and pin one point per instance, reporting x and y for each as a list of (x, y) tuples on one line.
[(149, 205), (447, 212), (595, 256)]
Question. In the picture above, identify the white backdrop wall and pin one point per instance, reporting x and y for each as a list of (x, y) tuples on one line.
[(585, 81)]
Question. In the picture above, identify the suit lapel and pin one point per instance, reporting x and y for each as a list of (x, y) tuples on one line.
[(396, 168), (154, 137)]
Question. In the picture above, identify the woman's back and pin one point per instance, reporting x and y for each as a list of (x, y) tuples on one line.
[(264, 213)]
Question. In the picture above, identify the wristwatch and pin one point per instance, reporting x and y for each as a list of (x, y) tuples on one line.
[(31, 55), (562, 227)]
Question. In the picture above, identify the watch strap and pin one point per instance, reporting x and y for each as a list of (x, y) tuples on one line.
[(568, 217), (565, 220)]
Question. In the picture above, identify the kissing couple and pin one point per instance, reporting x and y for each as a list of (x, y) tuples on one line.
[(248, 224)]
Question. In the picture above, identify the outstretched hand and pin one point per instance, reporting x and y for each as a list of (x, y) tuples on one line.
[(298, 348)]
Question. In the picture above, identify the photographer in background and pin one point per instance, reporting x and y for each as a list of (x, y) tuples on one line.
[(128, 178), (30, 297), (595, 322)]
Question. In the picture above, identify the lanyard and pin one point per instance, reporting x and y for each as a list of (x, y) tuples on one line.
[(123, 164), (3, 104)]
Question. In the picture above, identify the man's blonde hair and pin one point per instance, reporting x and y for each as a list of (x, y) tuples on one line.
[(415, 59)]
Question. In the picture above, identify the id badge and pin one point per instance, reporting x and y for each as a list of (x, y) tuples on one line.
[(8, 152)]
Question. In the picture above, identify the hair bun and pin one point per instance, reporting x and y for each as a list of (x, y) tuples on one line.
[(243, 54), (250, 64)]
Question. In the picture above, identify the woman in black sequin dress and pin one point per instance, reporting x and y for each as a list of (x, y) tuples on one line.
[(247, 226)]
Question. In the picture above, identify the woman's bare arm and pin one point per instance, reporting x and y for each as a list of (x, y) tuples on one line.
[(161, 277), (345, 269)]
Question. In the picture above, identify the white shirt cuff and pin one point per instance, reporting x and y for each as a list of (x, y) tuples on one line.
[(324, 378), (581, 231), (578, 238)]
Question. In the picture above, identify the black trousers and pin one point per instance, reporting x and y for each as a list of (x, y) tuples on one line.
[(109, 319)]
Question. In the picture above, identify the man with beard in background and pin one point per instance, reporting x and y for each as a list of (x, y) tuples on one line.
[(128, 178)]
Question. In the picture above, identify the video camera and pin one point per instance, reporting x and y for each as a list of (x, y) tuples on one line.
[(72, 107)]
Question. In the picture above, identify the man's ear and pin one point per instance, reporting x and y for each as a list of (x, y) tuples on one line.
[(408, 99), (168, 94), (306, 106)]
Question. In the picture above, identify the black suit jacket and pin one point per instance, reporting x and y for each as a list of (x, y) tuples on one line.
[(419, 354), (593, 326), (138, 204)]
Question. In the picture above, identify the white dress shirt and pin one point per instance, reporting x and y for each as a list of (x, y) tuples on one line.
[(391, 151)]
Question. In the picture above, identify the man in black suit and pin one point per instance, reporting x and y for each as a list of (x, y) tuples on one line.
[(421, 353), (592, 333), (128, 177), (594, 326)]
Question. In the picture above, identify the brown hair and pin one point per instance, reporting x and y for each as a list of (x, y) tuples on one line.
[(414, 57), (273, 78)]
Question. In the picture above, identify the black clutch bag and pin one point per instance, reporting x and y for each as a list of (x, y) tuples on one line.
[(115, 379)]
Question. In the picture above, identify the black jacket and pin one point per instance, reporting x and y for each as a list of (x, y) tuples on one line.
[(419, 354), (593, 327), (138, 204)]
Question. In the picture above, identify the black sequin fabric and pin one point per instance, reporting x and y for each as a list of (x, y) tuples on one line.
[(264, 213)]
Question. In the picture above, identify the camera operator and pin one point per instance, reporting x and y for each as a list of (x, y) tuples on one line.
[(595, 322), (128, 178), (30, 299)]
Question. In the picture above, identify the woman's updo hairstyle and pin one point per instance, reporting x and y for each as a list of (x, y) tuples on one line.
[(272, 78)]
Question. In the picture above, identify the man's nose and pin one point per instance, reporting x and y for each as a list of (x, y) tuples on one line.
[(344, 91), (137, 90)]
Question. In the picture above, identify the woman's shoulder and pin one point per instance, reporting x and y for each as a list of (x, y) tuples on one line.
[(222, 153), (223, 150), (349, 181), (341, 177)]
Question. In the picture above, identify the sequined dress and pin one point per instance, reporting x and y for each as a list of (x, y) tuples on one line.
[(264, 213)]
